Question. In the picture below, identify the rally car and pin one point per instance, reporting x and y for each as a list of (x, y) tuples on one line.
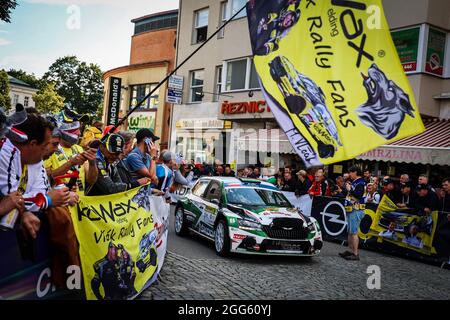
[(147, 252), (306, 100), (246, 216)]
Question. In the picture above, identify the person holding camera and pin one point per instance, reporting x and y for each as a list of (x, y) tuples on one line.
[(142, 160)]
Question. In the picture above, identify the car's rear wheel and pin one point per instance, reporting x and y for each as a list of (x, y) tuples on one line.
[(180, 222), (222, 239)]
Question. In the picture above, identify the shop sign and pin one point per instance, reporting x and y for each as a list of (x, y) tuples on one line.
[(115, 85), (244, 107), (436, 52), (208, 123), (141, 120), (407, 43)]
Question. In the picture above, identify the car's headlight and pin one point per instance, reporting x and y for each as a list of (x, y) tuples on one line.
[(311, 227), (246, 224)]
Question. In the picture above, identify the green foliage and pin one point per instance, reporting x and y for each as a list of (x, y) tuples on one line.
[(5, 100), (30, 79), (5, 9), (48, 101), (80, 83)]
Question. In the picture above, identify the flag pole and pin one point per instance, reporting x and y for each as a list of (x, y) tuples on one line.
[(174, 71)]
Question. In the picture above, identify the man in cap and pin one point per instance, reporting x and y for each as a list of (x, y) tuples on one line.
[(70, 156), (142, 160), (109, 181)]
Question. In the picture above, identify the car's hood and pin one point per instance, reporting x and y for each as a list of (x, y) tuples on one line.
[(265, 215)]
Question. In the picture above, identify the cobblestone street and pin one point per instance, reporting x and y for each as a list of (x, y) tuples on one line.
[(196, 274)]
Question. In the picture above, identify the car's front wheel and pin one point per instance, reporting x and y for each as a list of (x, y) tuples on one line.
[(222, 239), (180, 223)]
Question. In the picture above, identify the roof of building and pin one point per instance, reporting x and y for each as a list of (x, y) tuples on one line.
[(154, 15), (18, 82)]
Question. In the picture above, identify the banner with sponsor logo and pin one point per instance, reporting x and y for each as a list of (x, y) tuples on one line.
[(309, 56), (386, 227), (122, 242)]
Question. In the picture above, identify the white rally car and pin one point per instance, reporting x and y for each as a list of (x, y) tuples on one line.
[(246, 216)]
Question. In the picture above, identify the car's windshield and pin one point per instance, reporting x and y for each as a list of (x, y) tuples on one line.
[(256, 197)]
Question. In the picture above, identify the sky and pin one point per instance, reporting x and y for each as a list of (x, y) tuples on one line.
[(96, 31)]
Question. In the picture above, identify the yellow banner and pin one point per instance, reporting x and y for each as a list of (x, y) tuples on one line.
[(402, 228), (332, 76), (118, 244)]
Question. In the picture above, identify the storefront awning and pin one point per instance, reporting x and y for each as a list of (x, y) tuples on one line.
[(265, 140), (430, 147)]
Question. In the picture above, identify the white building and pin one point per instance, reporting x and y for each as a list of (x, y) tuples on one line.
[(21, 92)]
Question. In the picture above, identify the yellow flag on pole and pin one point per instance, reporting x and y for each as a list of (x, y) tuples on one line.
[(332, 76)]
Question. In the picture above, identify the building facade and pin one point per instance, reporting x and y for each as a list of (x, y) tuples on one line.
[(152, 57), (21, 92), (220, 81)]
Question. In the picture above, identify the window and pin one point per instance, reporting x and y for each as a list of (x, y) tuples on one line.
[(138, 92), (26, 101), (197, 79), (218, 83), (241, 75), (201, 25), (15, 100), (156, 23), (199, 189), (223, 18), (214, 191), (236, 6)]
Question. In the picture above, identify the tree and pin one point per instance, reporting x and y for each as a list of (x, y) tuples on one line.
[(47, 100), (5, 9), (5, 100), (78, 82), (31, 79)]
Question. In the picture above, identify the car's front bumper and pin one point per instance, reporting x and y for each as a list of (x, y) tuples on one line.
[(250, 243)]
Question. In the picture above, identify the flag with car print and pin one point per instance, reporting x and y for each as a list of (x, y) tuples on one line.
[(122, 243), (331, 74)]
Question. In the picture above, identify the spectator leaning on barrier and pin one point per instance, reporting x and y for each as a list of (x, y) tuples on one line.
[(21, 170), (122, 166), (407, 197), (355, 212), (372, 195), (70, 156), (109, 181), (339, 189), (303, 183), (164, 172), (289, 182), (426, 201), (142, 160), (320, 186)]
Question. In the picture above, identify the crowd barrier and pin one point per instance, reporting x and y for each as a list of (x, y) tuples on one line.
[(123, 242), (386, 227)]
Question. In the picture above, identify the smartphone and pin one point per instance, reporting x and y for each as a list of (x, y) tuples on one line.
[(148, 141)]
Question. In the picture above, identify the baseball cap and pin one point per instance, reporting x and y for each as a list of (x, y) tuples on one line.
[(145, 133), (114, 143)]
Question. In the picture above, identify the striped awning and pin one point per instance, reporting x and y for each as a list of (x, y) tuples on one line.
[(430, 147)]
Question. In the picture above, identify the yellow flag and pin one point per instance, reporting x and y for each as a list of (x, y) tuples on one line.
[(332, 76), (119, 244)]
